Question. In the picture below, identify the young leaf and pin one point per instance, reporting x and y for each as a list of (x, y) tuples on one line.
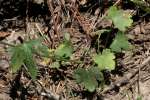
[(23, 54), (29, 62), (120, 19), (120, 43), (31, 67), (97, 73), (64, 50), (86, 78), (80, 75), (90, 82), (36, 46), (55, 65), (17, 58), (105, 60)]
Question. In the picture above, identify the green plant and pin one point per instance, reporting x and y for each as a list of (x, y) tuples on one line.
[(62, 52), (106, 59), (91, 78), (23, 54), (120, 43), (142, 4), (120, 19), (102, 60), (139, 97)]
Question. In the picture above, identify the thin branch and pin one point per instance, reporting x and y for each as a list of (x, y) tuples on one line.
[(126, 79), (11, 45)]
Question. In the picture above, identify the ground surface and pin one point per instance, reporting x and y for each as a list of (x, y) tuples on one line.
[(130, 79)]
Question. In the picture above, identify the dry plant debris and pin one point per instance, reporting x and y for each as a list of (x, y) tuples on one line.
[(80, 55)]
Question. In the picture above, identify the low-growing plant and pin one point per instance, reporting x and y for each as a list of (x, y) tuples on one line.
[(142, 4), (23, 54), (106, 59)]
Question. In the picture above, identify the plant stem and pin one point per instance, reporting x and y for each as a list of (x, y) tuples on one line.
[(11, 45)]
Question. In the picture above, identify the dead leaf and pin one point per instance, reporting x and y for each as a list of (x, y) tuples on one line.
[(4, 34)]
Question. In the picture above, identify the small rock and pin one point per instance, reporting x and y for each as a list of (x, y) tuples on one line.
[(3, 64), (4, 96)]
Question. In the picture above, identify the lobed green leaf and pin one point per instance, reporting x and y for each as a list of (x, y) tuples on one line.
[(105, 60), (64, 50), (17, 58), (88, 78), (120, 19), (120, 43)]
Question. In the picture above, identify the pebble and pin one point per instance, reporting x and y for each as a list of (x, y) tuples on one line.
[(4, 64)]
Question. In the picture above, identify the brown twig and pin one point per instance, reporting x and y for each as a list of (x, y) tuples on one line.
[(126, 79), (4, 43), (49, 94)]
